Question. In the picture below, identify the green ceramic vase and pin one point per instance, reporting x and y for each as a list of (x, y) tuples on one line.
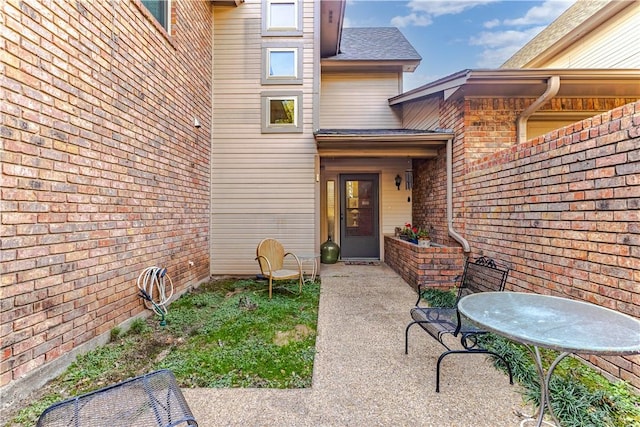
[(329, 252)]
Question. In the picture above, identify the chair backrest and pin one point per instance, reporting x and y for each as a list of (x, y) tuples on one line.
[(272, 250), (482, 275), (153, 399)]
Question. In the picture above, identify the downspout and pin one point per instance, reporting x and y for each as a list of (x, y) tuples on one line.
[(553, 86), (452, 232)]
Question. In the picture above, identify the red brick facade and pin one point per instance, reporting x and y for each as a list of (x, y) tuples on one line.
[(103, 171), (561, 210)]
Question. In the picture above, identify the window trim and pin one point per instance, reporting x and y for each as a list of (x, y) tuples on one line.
[(265, 112), (168, 8), (267, 30), (267, 48)]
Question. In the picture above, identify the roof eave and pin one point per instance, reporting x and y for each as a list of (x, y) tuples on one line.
[(420, 139), (331, 21), (539, 55), (424, 145), (628, 80), (407, 66)]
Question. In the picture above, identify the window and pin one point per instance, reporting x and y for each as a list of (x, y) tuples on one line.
[(282, 18), (331, 207), (281, 64), (160, 10), (281, 112)]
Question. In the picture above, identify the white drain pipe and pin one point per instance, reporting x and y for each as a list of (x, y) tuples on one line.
[(553, 86), (452, 232)]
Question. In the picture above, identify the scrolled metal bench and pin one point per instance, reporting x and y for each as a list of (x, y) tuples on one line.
[(482, 275)]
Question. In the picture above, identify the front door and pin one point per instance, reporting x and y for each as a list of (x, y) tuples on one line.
[(359, 228)]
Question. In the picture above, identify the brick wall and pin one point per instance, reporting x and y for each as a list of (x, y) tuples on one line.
[(103, 172), (489, 122), (429, 191), (563, 211), (428, 176), (418, 266)]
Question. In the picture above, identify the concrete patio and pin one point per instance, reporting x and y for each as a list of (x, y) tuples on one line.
[(361, 374)]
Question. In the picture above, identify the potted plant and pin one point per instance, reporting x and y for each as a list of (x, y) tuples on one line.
[(423, 238), (409, 233), (417, 235)]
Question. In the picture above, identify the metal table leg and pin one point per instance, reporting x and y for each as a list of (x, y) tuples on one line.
[(545, 379), (314, 258)]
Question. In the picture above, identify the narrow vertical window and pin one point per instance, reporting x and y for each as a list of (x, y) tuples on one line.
[(331, 208)]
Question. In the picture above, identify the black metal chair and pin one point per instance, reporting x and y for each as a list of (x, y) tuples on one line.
[(150, 400), (483, 275)]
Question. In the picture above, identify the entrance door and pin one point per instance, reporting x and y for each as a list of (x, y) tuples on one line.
[(359, 229)]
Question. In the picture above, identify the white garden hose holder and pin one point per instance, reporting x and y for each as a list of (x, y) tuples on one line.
[(156, 290)]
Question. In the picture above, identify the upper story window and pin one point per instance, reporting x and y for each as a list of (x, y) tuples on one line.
[(282, 18), (282, 63), (160, 10), (280, 112)]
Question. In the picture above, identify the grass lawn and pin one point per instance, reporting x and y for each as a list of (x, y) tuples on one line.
[(226, 333)]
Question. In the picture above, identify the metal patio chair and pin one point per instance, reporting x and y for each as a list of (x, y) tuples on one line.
[(150, 400), (270, 255)]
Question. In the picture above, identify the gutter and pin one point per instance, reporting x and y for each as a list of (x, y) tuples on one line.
[(553, 86), (452, 232)]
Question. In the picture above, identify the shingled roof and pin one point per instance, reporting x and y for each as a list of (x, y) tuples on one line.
[(375, 44), (571, 19)]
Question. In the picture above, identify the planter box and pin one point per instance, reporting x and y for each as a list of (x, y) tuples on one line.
[(420, 265)]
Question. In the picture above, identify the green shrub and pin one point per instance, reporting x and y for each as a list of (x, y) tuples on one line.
[(115, 333), (580, 396)]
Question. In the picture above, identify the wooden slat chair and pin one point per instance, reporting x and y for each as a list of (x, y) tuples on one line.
[(270, 255)]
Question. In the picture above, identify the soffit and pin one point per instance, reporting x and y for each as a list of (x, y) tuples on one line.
[(380, 142), (331, 17), (584, 83), (368, 66)]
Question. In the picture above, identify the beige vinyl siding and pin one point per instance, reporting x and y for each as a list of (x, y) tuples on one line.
[(358, 101), (615, 44), (542, 126), (262, 185), (424, 114)]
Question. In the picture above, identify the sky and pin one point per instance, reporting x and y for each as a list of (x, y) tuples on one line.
[(455, 35)]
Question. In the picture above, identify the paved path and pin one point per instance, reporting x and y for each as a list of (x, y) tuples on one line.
[(361, 374)]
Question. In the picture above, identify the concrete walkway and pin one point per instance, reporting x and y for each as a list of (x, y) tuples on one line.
[(361, 374)]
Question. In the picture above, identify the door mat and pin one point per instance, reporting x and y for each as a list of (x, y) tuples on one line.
[(361, 263)]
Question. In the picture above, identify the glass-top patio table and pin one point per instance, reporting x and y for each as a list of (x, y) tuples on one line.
[(561, 324)]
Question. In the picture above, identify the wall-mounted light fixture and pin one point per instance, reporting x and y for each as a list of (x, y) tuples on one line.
[(398, 181)]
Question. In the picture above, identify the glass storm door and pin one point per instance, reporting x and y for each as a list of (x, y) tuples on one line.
[(359, 228)]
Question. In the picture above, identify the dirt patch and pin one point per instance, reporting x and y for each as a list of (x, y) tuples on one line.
[(298, 333)]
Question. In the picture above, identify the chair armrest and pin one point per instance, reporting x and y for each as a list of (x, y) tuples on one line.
[(260, 264), (297, 260), (435, 282)]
